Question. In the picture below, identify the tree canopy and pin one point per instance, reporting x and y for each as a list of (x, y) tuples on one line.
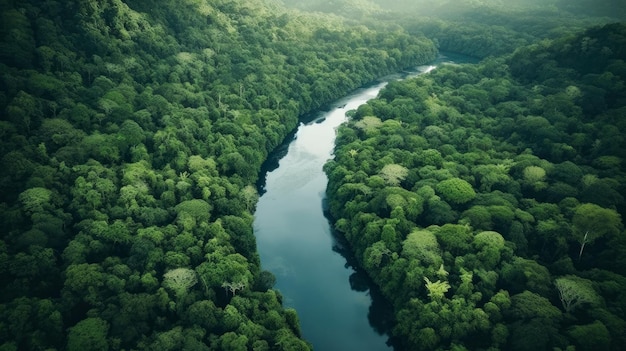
[(484, 200), (133, 134), (503, 157)]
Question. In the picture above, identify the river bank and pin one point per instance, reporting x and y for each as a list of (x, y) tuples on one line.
[(296, 243)]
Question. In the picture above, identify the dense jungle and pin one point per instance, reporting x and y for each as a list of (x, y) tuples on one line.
[(485, 201)]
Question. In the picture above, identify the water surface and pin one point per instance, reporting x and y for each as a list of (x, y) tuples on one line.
[(295, 240)]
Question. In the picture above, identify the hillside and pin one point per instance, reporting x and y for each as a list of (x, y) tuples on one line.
[(478, 28), (132, 134)]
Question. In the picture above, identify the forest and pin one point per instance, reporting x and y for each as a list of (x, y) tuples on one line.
[(485, 200), (132, 138)]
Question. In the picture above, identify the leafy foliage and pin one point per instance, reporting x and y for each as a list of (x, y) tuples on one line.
[(393, 174), (456, 190), (180, 280), (133, 133), (574, 292), (504, 159)]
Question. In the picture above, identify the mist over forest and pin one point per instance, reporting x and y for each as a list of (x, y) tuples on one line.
[(484, 201), (610, 9)]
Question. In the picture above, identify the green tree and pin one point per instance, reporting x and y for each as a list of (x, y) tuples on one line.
[(428, 336), (84, 281), (525, 274), (492, 174), (591, 222), (170, 340), (35, 200), (528, 305), (454, 238), (130, 134), (180, 280), (535, 177), (57, 132), (533, 315), (393, 173), (220, 269), (456, 191), (250, 197), (422, 245), (439, 212), (489, 246), (203, 314), (88, 334), (479, 217), (193, 212), (575, 292), (24, 111), (436, 290), (231, 341), (594, 336)]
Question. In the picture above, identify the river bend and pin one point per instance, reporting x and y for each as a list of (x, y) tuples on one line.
[(295, 241)]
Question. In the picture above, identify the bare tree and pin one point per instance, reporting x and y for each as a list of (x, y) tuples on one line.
[(233, 287)]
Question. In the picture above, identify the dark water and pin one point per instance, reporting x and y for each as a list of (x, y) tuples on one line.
[(296, 243)]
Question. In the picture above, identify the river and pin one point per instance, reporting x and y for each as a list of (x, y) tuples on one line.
[(295, 240)]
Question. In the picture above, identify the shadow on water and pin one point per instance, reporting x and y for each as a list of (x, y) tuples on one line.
[(380, 315), (317, 116), (293, 238), (273, 160)]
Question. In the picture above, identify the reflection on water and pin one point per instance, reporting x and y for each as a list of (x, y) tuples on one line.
[(380, 312), (295, 240)]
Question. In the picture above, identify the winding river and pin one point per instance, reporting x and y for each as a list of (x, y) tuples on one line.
[(295, 239)]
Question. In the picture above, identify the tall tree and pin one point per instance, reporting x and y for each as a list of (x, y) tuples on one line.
[(591, 222)]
